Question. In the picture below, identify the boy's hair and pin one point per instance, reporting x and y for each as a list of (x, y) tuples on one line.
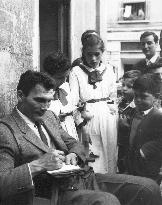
[(30, 79), (56, 63), (88, 33), (132, 74), (149, 33), (150, 82), (92, 40)]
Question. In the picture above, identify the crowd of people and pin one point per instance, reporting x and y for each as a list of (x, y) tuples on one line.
[(71, 114)]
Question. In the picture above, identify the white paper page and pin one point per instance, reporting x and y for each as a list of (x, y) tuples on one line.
[(65, 168)]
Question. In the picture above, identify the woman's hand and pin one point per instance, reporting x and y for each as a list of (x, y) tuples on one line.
[(86, 115), (113, 108)]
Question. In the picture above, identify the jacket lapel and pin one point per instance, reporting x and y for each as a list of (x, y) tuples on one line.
[(54, 133), (28, 134), (157, 59)]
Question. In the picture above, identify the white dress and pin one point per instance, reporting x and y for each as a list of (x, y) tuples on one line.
[(57, 107), (102, 128)]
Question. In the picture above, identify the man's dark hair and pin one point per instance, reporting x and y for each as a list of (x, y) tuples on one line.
[(149, 33), (30, 79), (56, 63), (150, 82)]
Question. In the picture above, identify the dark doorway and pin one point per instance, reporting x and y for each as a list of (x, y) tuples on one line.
[(54, 21)]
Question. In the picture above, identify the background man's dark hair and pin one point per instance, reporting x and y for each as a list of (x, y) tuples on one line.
[(56, 63), (30, 79), (149, 33)]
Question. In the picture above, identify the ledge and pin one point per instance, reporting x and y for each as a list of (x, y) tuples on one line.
[(132, 21)]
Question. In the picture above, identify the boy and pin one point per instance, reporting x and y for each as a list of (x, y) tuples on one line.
[(126, 111), (145, 140)]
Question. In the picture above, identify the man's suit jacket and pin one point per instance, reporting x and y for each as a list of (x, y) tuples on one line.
[(148, 138), (141, 65), (22, 147)]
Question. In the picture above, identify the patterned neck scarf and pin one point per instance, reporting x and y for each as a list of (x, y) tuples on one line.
[(94, 76)]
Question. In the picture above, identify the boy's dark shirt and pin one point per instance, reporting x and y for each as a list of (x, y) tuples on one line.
[(143, 67), (148, 138), (127, 111)]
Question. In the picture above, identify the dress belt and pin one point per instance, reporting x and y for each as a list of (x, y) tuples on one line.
[(67, 114), (101, 99), (62, 116)]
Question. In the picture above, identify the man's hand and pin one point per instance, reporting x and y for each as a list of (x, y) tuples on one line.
[(71, 159), (48, 162)]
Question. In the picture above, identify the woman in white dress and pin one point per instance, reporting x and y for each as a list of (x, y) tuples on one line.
[(58, 67), (93, 83)]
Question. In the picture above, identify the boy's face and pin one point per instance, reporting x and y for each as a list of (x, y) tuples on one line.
[(143, 100), (157, 70), (127, 90)]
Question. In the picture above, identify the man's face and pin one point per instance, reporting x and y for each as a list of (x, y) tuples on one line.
[(36, 103), (148, 46), (127, 90), (143, 100), (92, 55)]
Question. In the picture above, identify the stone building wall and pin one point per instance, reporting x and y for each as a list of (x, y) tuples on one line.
[(16, 49)]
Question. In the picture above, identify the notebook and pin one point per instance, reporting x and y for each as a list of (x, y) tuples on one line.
[(66, 169)]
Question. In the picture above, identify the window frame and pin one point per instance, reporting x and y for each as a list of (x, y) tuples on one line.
[(121, 12)]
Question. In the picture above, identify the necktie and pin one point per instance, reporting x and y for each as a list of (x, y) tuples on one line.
[(41, 133), (149, 63), (140, 114)]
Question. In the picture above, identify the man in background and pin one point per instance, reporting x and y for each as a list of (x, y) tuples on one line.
[(149, 43)]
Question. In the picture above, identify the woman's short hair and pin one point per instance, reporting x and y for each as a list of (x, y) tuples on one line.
[(56, 63)]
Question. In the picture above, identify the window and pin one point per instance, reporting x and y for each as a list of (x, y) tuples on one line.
[(133, 10), (130, 47)]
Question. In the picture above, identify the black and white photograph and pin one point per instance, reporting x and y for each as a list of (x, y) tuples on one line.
[(80, 102)]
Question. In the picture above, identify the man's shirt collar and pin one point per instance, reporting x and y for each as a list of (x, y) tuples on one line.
[(153, 59), (132, 104), (25, 118), (147, 111)]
